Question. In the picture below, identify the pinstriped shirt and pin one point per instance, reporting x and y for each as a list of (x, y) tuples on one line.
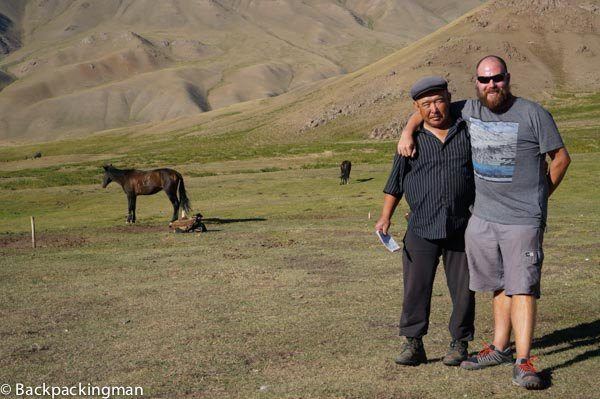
[(438, 183)]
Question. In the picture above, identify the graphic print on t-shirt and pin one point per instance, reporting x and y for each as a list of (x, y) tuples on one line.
[(494, 147)]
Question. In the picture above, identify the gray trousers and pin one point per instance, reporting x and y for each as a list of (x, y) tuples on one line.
[(420, 261)]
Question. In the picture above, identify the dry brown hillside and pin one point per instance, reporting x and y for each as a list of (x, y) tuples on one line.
[(81, 66), (550, 45)]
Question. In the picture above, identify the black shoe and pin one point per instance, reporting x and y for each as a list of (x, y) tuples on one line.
[(457, 352), (413, 353)]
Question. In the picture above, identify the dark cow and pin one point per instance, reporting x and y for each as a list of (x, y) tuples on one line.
[(345, 168)]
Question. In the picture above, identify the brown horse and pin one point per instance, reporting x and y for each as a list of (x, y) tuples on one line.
[(138, 182)]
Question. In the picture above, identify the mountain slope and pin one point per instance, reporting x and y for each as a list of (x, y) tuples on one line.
[(85, 66), (549, 45)]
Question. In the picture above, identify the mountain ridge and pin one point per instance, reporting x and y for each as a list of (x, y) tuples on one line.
[(203, 56)]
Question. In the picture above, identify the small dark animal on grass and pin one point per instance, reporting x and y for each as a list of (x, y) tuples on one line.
[(193, 224), (37, 155), (139, 182), (345, 168)]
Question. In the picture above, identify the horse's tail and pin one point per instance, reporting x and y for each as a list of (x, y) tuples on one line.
[(183, 198)]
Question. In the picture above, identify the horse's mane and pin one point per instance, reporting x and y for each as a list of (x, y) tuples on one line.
[(118, 172)]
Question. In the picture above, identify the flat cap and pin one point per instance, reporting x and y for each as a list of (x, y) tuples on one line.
[(427, 84)]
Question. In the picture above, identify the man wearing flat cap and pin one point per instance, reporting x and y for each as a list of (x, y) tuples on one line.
[(511, 138), (438, 185)]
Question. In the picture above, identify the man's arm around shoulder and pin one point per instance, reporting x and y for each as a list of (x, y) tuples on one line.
[(406, 144)]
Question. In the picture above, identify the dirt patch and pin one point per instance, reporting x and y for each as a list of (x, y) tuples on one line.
[(43, 240), (73, 239), (136, 229)]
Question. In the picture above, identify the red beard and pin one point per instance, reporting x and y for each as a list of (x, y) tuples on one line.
[(497, 102)]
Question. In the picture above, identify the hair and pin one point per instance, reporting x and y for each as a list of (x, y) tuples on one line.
[(112, 171), (499, 59)]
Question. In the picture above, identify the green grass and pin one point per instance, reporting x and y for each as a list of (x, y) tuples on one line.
[(218, 150), (49, 177), (294, 293), (289, 290), (578, 117)]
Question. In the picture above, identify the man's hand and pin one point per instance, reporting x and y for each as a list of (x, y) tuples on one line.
[(406, 145), (383, 224)]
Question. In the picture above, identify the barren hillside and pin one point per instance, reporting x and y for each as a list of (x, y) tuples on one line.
[(549, 45), (76, 66)]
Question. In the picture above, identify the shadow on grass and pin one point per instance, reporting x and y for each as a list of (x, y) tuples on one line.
[(225, 221), (583, 334), (364, 180)]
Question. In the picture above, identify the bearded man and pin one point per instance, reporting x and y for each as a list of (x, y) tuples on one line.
[(510, 138)]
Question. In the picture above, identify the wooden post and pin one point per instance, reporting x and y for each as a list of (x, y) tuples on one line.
[(32, 232)]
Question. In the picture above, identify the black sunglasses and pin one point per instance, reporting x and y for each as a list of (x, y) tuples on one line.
[(496, 78)]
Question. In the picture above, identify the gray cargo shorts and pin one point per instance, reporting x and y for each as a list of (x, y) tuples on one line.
[(504, 257)]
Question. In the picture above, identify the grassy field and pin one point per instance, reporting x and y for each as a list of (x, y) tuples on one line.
[(288, 295)]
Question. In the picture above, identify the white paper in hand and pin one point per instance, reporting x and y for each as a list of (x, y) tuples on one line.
[(388, 241)]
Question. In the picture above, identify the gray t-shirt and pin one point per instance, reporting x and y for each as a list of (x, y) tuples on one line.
[(508, 151)]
